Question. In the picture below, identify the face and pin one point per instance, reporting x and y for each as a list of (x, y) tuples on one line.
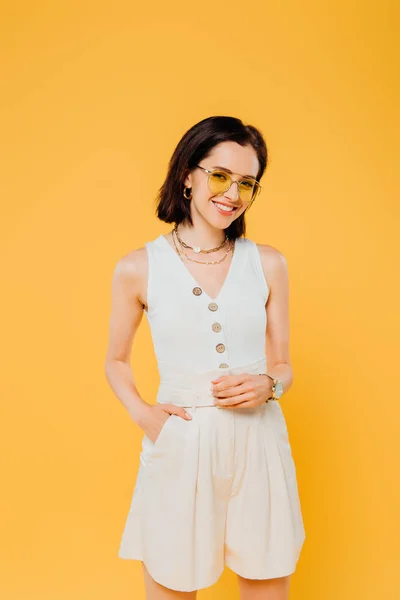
[(241, 161)]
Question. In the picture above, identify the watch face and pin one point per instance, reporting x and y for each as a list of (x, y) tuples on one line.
[(278, 389)]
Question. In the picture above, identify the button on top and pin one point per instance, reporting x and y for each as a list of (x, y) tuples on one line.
[(216, 327), (213, 306), (220, 348), (223, 366), (197, 291)]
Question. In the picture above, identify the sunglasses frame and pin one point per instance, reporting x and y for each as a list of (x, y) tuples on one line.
[(258, 186)]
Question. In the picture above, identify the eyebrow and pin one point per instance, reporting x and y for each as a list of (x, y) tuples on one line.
[(229, 171)]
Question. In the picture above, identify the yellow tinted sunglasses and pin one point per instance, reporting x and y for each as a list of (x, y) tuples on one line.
[(220, 181)]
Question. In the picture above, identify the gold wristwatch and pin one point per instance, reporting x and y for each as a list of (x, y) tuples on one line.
[(277, 387)]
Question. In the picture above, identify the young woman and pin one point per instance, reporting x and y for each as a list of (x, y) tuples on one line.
[(217, 482)]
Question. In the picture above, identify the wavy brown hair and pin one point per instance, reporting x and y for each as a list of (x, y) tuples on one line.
[(195, 145)]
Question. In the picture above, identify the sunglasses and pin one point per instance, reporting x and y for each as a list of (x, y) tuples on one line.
[(220, 182)]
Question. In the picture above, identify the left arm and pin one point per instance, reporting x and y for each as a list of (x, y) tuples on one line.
[(277, 335)]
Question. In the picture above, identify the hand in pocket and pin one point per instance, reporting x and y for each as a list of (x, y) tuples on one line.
[(157, 416)]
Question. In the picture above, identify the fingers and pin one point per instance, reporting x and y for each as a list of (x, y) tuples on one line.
[(228, 381), (233, 390), (178, 410), (237, 401)]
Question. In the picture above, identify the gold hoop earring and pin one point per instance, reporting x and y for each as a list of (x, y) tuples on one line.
[(184, 193)]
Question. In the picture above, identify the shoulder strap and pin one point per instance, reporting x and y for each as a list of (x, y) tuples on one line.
[(258, 268), (160, 270)]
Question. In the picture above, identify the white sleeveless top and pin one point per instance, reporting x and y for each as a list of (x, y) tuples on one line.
[(193, 333)]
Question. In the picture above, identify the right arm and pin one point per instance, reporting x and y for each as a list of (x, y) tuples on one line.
[(130, 274), (129, 283)]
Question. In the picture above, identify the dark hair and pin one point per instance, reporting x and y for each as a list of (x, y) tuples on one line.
[(195, 145)]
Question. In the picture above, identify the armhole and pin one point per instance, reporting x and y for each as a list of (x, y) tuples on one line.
[(149, 278), (260, 271)]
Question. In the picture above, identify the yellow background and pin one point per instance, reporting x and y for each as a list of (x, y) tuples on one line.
[(95, 97)]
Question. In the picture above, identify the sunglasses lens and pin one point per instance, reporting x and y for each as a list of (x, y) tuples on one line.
[(219, 182), (247, 190)]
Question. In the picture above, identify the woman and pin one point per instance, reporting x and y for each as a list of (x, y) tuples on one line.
[(214, 487)]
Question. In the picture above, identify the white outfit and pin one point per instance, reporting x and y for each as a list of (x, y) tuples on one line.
[(221, 488)]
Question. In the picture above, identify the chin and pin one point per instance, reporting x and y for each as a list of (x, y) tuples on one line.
[(219, 223)]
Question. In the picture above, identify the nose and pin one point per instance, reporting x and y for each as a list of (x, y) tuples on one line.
[(233, 191)]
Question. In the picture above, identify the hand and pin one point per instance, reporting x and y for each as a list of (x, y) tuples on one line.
[(241, 391), (155, 417)]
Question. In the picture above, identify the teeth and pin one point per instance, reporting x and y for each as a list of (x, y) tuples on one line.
[(223, 207)]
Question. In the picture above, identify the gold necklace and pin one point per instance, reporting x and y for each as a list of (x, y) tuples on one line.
[(215, 262), (197, 249)]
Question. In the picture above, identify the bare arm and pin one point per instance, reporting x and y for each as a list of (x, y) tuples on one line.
[(128, 282), (277, 334)]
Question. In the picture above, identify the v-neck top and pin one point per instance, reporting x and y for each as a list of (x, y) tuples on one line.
[(193, 332)]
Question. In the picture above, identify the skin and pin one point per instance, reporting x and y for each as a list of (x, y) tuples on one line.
[(129, 285)]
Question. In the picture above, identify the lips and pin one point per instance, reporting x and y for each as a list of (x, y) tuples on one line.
[(230, 206)]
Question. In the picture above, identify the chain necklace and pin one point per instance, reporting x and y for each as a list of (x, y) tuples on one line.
[(215, 262), (197, 249)]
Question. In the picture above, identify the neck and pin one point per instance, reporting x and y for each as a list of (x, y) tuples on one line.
[(205, 237)]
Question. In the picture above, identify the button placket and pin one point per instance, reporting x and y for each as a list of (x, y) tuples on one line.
[(217, 327)]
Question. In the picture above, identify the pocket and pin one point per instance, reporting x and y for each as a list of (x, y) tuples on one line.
[(162, 431), (148, 446)]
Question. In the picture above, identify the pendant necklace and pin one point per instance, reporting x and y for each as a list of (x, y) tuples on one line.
[(215, 262), (197, 249)]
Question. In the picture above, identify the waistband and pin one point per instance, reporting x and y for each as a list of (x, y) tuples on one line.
[(193, 389)]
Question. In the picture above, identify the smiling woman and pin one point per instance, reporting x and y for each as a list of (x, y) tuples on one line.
[(214, 487)]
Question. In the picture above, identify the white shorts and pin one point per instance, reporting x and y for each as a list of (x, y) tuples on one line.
[(219, 489)]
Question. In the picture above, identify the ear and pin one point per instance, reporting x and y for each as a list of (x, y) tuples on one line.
[(188, 181)]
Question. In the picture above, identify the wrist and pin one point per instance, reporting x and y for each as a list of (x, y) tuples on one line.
[(268, 384), (276, 387), (140, 412)]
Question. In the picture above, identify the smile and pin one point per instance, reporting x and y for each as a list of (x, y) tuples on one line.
[(223, 208)]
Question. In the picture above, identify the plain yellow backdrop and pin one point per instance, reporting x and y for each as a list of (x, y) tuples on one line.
[(95, 96)]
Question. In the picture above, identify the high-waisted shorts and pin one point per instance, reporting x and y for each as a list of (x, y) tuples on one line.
[(219, 489)]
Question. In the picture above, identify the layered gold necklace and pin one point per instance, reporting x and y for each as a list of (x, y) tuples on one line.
[(197, 249)]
